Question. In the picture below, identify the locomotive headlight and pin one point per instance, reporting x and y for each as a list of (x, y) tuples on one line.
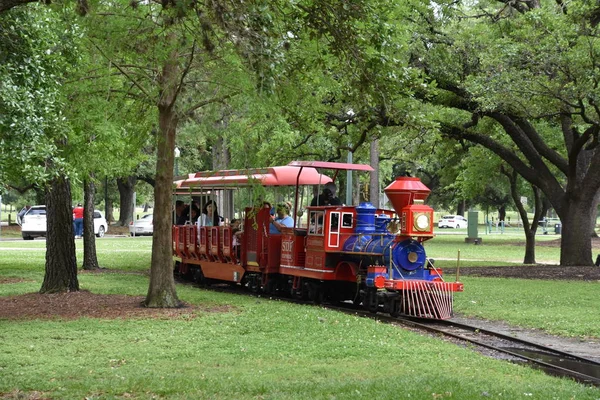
[(421, 221)]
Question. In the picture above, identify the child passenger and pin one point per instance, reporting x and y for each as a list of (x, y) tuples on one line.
[(236, 231)]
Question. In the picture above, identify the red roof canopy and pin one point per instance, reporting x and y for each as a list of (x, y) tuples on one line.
[(271, 176), (286, 175)]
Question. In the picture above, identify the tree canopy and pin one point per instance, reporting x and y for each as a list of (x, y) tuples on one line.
[(515, 78), (262, 82)]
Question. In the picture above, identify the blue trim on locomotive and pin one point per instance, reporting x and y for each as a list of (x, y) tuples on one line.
[(407, 257)]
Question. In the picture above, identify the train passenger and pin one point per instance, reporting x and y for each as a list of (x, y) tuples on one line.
[(180, 213), (236, 231), (210, 215), (327, 197), (267, 205), (281, 220), (195, 214)]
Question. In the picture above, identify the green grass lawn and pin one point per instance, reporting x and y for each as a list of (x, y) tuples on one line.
[(565, 308), (259, 350), (496, 250), (262, 349)]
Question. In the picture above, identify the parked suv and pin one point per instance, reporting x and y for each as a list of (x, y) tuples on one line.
[(33, 223), (452, 221)]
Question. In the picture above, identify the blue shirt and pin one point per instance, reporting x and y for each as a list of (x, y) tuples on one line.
[(287, 221)]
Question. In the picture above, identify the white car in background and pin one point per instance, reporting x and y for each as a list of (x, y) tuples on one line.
[(33, 223), (452, 221), (142, 226)]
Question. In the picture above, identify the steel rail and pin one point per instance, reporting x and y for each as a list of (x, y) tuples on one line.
[(580, 377), (518, 340)]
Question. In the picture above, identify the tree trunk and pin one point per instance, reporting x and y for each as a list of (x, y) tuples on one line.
[(540, 209), (461, 208), (90, 260), (161, 292), (529, 229), (220, 160), (61, 261), (356, 192), (110, 216), (126, 190), (40, 195), (576, 246), (374, 183), (502, 213), (595, 214)]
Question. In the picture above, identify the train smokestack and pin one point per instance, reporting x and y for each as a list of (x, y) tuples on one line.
[(404, 191)]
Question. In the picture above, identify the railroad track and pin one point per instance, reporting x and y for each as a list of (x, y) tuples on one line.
[(550, 360)]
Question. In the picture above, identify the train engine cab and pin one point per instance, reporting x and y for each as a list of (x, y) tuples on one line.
[(372, 256)]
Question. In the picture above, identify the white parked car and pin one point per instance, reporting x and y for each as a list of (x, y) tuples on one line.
[(142, 226), (33, 223), (452, 221)]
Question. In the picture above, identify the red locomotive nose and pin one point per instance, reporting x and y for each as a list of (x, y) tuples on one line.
[(405, 190)]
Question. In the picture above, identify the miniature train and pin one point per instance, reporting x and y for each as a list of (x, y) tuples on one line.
[(340, 253)]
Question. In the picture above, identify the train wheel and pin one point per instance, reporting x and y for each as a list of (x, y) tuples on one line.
[(395, 307), (198, 277), (254, 284), (271, 286), (370, 302), (301, 291), (315, 292)]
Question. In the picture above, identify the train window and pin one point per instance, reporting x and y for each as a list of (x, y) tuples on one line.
[(334, 223), (347, 220), (316, 223)]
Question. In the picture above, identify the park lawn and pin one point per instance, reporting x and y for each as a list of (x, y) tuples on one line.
[(564, 308), (495, 250), (256, 348)]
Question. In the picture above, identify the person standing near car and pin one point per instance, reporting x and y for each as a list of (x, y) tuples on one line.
[(21, 213), (78, 221)]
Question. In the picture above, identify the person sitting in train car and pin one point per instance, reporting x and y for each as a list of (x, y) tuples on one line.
[(210, 215), (268, 206), (327, 197), (181, 214), (195, 214), (282, 219), (236, 232)]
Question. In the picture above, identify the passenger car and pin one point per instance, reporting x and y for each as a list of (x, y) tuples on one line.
[(33, 223), (142, 226), (452, 221)]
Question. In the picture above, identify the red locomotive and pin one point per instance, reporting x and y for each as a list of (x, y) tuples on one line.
[(331, 253)]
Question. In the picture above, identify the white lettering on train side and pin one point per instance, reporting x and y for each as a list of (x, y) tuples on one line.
[(287, 246)]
